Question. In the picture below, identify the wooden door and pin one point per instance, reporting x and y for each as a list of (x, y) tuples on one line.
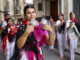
[(54, 9)]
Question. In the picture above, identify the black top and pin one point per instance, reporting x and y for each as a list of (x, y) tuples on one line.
[(62, 28), (5, 32), (29, 42)]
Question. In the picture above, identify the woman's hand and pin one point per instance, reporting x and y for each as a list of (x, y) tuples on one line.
[(47, 27), (12, 29), (30, 28), (21, 41)]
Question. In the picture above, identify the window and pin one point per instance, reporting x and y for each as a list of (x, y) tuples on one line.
[(39, 6)]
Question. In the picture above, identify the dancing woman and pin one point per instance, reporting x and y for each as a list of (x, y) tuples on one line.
[(30, 37)]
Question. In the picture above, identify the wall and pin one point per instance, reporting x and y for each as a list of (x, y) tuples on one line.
[(67, 8), (39, 13), (11, 7), (21, 6), (70, 7), (2, 10), (47, 8)]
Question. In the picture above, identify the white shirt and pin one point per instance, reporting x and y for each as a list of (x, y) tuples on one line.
[(58, 22), (71, 32)]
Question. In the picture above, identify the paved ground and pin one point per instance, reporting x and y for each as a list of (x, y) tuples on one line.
[(54, 55), (77, 50), (49, 55), (1, 54)]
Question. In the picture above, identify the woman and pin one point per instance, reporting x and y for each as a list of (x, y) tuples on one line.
[(8, 36), (29, 39), (60, 25), (73, 34), (52, 23)]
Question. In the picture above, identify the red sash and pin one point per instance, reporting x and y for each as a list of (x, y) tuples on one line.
[(4, 43), (25, 22), (73, 20)]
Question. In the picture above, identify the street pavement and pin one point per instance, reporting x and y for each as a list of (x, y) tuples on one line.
[(48, 54), (54, 54)]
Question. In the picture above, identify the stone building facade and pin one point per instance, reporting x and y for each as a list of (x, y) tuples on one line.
[(42, 7), (12, 7), (2, 9), (55, 7)]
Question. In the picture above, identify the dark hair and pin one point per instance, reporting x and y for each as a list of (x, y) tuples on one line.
[(61, 14), (71, 14), (6, 15), (26, 7), (9, 19)]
